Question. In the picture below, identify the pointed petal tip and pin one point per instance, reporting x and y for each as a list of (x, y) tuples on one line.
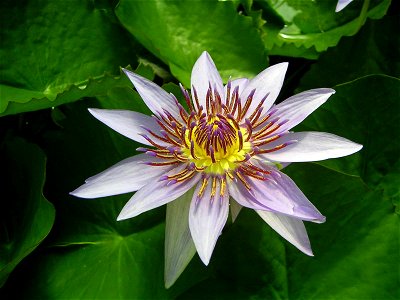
[(306, 249), (95, 112), (131, 75), (308, 252), (321, 219), (122, 217), (127, 72), (326, 91), (205, 258), (74, 193), (138, 81), (342, 4), (283, 65), (92, 110), (355, 147), (205, 53), (168, 284), (80, 192), (281, 68), (170, 279), (311, 215)]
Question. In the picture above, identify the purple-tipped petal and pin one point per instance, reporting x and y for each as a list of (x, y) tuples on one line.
[(204, 74), (207, 218), (127, 123), (277, 194), (155, 97), (179, 246), (291, 229), (269, 82), (128, 175), (296, 108), (243, 197), (310, 146), (342, 4), (156, 194)]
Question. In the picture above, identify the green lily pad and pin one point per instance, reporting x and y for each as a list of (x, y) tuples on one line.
[(355, 250), (179, 31), (356, 112), (313, 24), (371, 51), (26, 215), (56, 52), (92, 253)]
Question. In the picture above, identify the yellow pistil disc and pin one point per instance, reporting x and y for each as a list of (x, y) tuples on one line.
[(228, 148)]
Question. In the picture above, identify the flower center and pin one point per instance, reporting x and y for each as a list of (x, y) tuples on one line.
[(216, 144), (217, 139)]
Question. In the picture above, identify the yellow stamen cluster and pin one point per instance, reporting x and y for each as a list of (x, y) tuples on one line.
[(217, 145)]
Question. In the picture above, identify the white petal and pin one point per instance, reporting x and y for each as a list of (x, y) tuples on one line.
[(179, 246), (235, 209), (296, 108), (310, 146), (207, 218), (126, 176), (282, 195), (277, 194), (243, 197), (291, 229), (155, 194), (155, 97), (269, 82), (342, 4), (127, 123), (204, 73), (239, 83)]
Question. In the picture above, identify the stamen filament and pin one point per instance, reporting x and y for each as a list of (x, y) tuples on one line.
[(213, 188), (243, 180), (247, 104), (202, 188), (187, 97)]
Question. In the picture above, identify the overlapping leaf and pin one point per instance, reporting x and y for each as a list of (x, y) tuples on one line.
[(55, 52), (304, 28), (26, 215), (179, 31), (90, 255), (372, 51), (354, 251), (357, 111)]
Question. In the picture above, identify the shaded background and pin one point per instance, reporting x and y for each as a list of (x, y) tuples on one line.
[(59, 57)]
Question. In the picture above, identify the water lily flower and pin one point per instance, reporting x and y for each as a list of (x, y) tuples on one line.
[(224, 151), (342, 4)]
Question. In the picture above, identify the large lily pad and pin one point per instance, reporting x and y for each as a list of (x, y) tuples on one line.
[(178, 31), (356, 112), (55, 52), (355, 250)]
